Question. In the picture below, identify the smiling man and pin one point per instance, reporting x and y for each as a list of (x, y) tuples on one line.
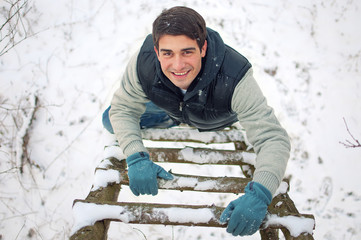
[(184, 73)]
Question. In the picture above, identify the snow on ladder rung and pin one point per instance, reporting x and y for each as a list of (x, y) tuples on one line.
[(205, 184), (183, 182), (202, 156), (192, 134), (176, 214), (147, 213)]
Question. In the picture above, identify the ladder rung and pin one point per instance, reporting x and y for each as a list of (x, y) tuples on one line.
[(166, 214), (183, 182), (193, 135), (147, 213), (202, 156), (205, 184)]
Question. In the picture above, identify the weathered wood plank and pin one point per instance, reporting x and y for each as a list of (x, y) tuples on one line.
[(202, 156), (168, 214), (193, 135), (205, 184), (182, 182)]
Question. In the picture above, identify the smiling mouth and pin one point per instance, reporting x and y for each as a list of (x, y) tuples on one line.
[(180, 73)]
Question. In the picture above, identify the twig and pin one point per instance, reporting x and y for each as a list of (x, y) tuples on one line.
[(348, 143), (25, 139), (8, 170), (20, 231), (145, 237), (13, 26)]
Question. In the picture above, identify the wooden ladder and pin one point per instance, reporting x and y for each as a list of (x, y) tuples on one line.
[(281, 206)]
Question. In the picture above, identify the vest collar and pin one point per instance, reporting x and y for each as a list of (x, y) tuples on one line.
[(211, 63)]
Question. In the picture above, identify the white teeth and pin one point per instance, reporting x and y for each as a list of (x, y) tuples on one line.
[(180, 74)]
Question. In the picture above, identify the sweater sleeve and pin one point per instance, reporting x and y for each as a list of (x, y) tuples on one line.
[(270, 141), (127, 105)]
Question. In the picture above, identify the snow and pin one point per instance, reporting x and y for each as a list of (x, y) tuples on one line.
[(206, 185), (186, 182), (306, 58), (295, 225), (104, 177), (202, 157), (113, 151), (190, 182), (187, 215), (281, 189), (105, 163), (86, 214)]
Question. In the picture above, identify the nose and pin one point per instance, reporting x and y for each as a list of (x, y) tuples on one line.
[(178, 63)]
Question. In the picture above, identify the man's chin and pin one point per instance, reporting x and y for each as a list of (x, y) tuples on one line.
[(181, 84)]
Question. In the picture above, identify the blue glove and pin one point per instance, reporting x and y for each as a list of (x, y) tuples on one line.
[(143, 174), (245, 214)]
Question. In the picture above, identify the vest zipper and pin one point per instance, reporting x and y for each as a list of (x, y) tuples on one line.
[(181, 106), (184, 115)]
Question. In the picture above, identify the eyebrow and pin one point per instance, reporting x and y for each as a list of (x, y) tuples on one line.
[(184, 49)]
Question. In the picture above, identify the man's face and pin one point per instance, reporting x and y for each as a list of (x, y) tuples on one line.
[(180, 59)]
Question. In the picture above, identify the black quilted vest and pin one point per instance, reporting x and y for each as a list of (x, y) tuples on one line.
[(207, 103)]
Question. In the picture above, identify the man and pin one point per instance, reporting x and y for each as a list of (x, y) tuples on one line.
[(184, 73)]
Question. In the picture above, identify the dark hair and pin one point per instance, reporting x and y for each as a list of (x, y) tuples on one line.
[(180, 21)]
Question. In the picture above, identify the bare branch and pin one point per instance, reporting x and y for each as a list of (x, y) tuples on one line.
[(13, 31), (14, 14), (348, 143), (25, 158)]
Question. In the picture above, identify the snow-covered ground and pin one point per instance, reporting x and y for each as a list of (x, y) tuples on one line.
[(307, 60)]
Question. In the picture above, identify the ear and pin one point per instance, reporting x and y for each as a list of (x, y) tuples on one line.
[(156, 51), (204, 49)]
